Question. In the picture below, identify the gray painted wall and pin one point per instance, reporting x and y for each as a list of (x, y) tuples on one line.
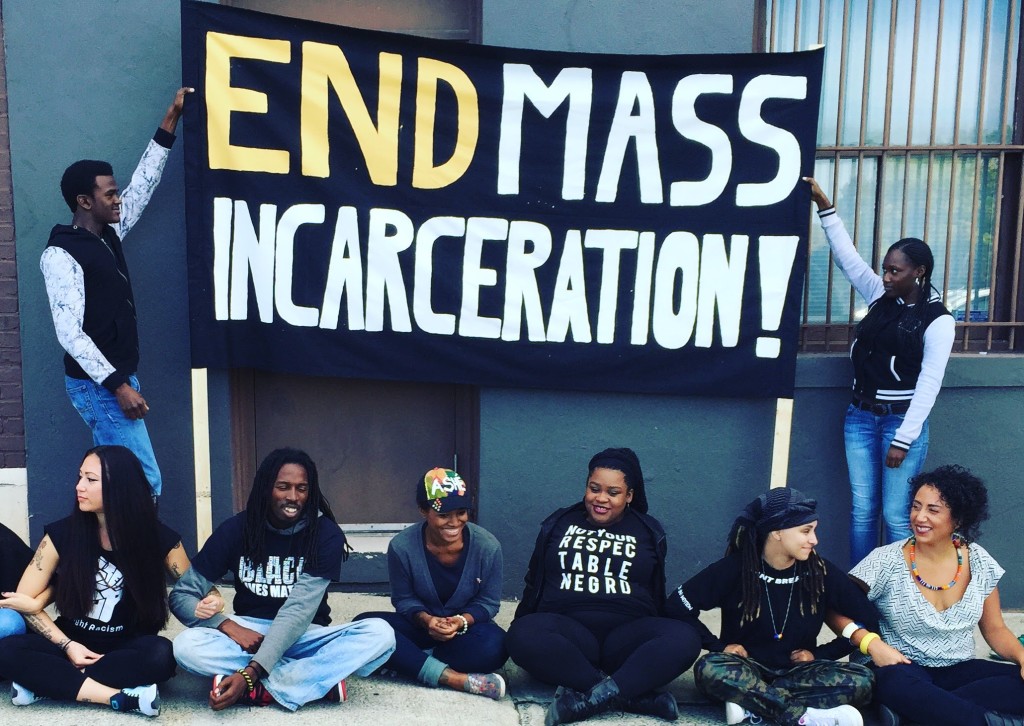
[(92, 80)]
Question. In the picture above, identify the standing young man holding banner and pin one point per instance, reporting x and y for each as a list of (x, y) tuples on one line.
[(91, 298)]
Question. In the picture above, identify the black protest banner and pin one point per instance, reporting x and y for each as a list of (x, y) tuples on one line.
[(374, 205)]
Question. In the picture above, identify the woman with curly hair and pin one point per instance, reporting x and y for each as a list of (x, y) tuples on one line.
[(774, 590), (104, 566), (931, 591), (591, 620)]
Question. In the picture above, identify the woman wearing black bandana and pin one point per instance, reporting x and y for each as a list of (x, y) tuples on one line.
[(774, 591), (590, 620)]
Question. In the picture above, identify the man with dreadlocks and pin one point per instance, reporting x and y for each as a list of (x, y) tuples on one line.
[(283, 550), (774, 591)]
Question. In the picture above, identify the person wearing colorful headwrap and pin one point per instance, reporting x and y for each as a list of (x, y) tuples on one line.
[(774, 591), (591, 618), (446, 588)]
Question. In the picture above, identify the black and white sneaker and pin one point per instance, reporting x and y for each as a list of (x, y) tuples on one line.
[(143, 699)]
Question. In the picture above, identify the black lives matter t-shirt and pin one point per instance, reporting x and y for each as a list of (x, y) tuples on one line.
[(261, 588), (606, 570), (110, 622)]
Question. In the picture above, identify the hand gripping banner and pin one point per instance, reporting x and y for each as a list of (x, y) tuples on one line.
[(373, 205)]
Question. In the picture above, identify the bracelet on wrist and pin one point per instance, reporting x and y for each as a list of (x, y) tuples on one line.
[(64, 646), (850, 629), (249, 683), (866, 641), (465, 624)]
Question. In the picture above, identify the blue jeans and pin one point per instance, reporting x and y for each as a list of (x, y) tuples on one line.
[(873, 485), (11, 623), (480, 650), (100, 410), (316, 662)]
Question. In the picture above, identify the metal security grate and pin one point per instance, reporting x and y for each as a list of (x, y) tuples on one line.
[(919, 135)]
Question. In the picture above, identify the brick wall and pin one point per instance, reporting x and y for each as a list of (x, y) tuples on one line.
[(12, 415)]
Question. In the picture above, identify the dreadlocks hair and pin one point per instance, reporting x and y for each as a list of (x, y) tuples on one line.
[(131, 523), (257, 509), (911, 329), (744, 541)]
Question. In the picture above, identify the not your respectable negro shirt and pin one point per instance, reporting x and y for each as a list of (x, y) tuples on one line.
[(602, 569)]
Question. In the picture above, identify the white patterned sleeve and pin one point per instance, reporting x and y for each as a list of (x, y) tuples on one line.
[(985, 568), (139, 191), (871, 569), (65, 287)]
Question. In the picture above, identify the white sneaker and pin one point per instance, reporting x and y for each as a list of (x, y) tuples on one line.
[(735, 713), (838, 716), (149, 698), (21, 696)]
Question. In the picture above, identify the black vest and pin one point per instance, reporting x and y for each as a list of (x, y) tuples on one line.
[(889, 347), (110, 319)]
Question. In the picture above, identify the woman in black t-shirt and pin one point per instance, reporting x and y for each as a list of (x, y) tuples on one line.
[(774, 592), (593, 602), (104, 568)]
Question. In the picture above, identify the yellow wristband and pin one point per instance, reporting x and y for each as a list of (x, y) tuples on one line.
[(866, 641)]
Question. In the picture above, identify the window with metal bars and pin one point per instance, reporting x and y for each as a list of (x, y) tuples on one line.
[(919, 135)]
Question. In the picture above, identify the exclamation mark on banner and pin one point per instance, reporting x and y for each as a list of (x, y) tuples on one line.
[(775, 257)]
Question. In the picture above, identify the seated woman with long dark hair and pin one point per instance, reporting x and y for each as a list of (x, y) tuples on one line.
[(105, 564), (774, 590), (446, 588), (591, 616), (931, 591)]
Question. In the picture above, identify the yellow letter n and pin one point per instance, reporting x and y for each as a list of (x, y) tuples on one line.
[(324, 65)]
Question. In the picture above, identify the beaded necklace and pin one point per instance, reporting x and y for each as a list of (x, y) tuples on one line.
[(957, 544)]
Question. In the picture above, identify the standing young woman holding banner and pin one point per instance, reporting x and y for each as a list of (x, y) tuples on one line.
[(899, 355)]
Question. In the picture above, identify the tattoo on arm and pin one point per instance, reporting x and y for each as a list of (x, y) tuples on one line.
[(40, 626), (37, 558), (176, 571)]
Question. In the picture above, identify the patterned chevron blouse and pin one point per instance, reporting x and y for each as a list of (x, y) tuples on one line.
[(909, 622)]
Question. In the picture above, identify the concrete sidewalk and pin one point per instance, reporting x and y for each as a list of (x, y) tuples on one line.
[(379, 701)]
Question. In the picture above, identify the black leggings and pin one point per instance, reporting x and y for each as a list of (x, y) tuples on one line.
[(639, 654), (40, 666)]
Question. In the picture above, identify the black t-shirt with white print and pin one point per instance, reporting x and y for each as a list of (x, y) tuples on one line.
[(589, 568), (261, 588), (109, 623)]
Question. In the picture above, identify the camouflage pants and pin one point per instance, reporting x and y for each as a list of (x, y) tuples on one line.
[(782, 694)]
